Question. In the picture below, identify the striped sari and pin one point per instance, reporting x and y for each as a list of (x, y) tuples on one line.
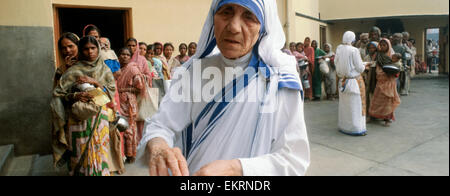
[(89, 143)]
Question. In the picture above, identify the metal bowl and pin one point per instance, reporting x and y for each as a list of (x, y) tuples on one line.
[(391, 69), (122, 123), (85, 86), (302, 64)]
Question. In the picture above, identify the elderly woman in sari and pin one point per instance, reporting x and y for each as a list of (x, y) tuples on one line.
[(375, 34), (331, 77), (142, 65), (234, 138), (82, 125), (385, 98), (362, 44), (370, 74), (106, 47), (309, 52), (319, 55), (130, 84), (352, 108)]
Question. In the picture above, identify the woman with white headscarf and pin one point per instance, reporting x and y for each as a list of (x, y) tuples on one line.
[(331, 76), (266, 136), (349, 66)]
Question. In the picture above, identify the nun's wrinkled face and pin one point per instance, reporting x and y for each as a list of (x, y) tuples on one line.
[(236, 30)]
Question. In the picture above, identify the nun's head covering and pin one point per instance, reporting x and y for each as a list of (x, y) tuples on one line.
[(267, 50), (349, 37)]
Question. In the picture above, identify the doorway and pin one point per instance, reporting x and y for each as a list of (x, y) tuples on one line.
[(114, 23), (323, 36), (432, 49)]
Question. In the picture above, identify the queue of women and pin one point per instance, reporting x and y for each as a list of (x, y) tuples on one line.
[(367, 75), (86, 134), (87, 137)]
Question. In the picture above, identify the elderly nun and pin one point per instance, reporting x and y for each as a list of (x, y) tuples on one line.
[(352, 109), (253, 124)]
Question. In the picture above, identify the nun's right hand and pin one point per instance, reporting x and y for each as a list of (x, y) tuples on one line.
[(162, 158)]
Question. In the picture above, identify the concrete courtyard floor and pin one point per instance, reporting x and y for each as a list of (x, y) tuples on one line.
[(417, 144)]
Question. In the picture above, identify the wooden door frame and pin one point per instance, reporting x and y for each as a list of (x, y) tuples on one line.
[(128, 22), (323, 35)]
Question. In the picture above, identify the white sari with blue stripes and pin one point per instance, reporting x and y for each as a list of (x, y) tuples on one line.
[(267, 134), (271, 143)]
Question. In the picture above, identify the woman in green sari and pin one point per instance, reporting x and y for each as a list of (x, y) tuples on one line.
[(317, 77)]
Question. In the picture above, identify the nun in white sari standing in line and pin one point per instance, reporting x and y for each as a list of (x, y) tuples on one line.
[(352, 101), (218, 137)]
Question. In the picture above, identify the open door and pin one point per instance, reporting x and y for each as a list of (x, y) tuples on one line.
[(443, 41), (433, 35), (323, 36), (114, 23)]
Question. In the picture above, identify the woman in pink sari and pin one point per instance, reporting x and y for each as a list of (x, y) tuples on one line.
[(385, 98), (142, 65), (130, 84), (309, 52), (140, 61)]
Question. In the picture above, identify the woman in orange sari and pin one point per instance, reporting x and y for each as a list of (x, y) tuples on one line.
[(385, 99), (309, 52)]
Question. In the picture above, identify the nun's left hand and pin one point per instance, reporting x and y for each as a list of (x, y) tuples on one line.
[(221, 168)]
